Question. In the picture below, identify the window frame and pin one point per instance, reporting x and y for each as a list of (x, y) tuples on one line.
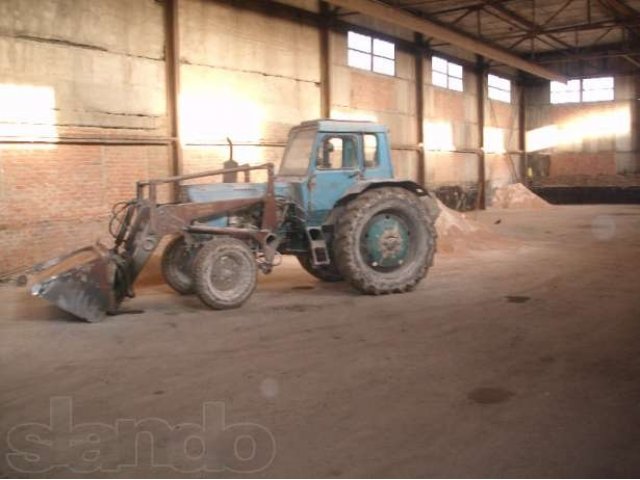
[(497, 89), (376, 155), (285, 169), (578, 93), (343, 137), (446, 71), (373, 52)]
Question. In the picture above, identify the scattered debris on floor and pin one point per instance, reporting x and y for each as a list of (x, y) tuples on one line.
[(489, 395), (517, 298), (517, 195)]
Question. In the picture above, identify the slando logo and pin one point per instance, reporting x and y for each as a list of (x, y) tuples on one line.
[(211, 446)]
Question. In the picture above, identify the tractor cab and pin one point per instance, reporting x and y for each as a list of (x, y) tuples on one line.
[(325, 158)]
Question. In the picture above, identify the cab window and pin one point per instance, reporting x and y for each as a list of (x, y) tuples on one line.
[(337, 152), (298, 153), (371, 159)]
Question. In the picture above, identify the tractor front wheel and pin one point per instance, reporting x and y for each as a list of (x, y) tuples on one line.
[(177, 259), (385, 241), (224, 273)]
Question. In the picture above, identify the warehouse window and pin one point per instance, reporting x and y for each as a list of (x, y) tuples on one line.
[(373, 54), (565, 92), (446, 74), (598, 89), (499, 88)]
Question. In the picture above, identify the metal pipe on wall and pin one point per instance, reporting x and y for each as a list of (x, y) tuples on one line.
[(71, 140)]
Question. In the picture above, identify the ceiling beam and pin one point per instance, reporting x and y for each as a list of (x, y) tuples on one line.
[(593, 52), (457, 8), (520, 21), (621, 11), (578, 27), (426, 27)]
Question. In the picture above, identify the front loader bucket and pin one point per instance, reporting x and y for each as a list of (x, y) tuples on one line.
[(80, 282)]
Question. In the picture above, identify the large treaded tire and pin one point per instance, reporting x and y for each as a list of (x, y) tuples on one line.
[(176, 266), (224, 273), (402, 204), (326, 273)]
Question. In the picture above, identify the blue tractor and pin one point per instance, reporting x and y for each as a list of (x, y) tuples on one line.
[(334, 204)]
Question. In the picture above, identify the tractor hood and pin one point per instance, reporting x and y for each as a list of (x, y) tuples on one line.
[(223, 191), (231, 191)]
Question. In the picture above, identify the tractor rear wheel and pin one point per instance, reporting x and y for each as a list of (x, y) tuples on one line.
[(224, 273), (385, 241), (177, 259), (326, 273)]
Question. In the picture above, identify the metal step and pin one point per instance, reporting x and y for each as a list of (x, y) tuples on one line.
[(318, 247)]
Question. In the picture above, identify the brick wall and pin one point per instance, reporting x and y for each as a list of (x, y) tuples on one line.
[(57, 198)]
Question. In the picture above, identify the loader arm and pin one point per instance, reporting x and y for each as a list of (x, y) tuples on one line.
[(93, 281)]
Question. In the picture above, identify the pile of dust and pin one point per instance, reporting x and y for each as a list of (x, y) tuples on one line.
[(517, 195), (458, 232)]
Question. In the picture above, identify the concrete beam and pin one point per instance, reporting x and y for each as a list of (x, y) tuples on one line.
[(416, 24)]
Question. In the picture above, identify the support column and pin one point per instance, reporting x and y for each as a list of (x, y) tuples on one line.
[(419, 67), (522, 132), (325, 61), (480, 85), (635, 123), (172, 62)]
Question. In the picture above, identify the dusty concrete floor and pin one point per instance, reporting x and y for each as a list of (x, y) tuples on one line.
[(515, 361)]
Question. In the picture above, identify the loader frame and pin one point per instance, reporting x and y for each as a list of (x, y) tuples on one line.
[(111, 275), (153, 221)]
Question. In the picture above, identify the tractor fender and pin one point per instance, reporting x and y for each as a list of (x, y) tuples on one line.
[(362, 186)]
